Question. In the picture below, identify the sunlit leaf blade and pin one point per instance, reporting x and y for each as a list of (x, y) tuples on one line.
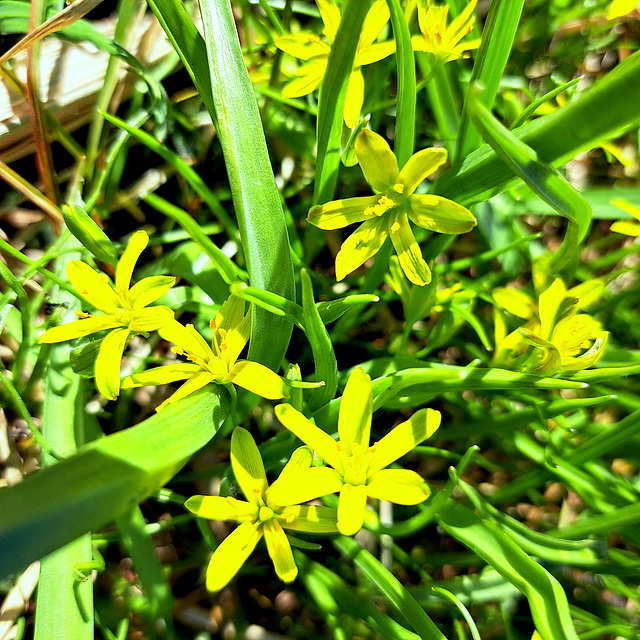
[(333, 91), (87, 490), (525, 162), (605, 109), (498, 34), (255, 195)]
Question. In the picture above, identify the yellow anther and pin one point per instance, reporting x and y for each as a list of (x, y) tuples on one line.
[(398, 188), (395, 227), (82, 314), (212, 324)]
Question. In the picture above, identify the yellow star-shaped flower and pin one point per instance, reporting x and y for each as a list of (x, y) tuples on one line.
[(388, 213), (442, 41), (563, 339), (315, 51), (125, 308), (357, 470), (259, 516), (216, 363)]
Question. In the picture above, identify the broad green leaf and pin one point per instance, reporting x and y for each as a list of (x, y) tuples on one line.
[(255, 195), (103, 479), (547, 600)]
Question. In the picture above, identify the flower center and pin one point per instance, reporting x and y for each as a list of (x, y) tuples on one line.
[(392, 198), (265, 514), (123, 316), (356, 463)]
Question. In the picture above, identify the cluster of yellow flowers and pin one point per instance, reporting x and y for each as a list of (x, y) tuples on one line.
[(555, 337)]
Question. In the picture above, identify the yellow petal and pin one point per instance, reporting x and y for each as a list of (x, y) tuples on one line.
[(301, 458), (234, 341), (193, 384), (247, 466), (160, 375), (374, 53), (399, 486), (626, 227), (439, 214), (340, 213), (330, 15), (107, 370), (232, 554), (78, 329), (150, 318), (258, 379), (514, 301), (549, 303), (374, 22), (361, 245), (627, 206), (94, 287), (280, 551), (127, 262), (462, 24), (308, 518), (302, 485), (408, 250), (307, 80), (148, 290), (187, 339), (619, 8), (220, 508), (320, 441), (403, 438), (419, 166), (303, 46), (351, 506), (230, 315), (377, 161), (354, 99), (356, 406), (589, 291)]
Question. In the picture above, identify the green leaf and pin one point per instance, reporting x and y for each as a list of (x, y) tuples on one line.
[(498, 34), (547, 600), (603, 111), (253, 187), (541, 177), (103, 479), (333, 91)]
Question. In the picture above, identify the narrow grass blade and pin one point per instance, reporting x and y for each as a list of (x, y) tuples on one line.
[(406, 108), (603, 111), (542, 178), (253, 187), (548, 602), (498, 35), (332, 96), (401, 600)]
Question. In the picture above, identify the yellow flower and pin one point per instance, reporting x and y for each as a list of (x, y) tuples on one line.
[(389, 212), (259, 515), (218, 363), (124, 307), (358, 470), (619, 8), (563, 339), (628, 227), (443, 42), (315, 51)]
